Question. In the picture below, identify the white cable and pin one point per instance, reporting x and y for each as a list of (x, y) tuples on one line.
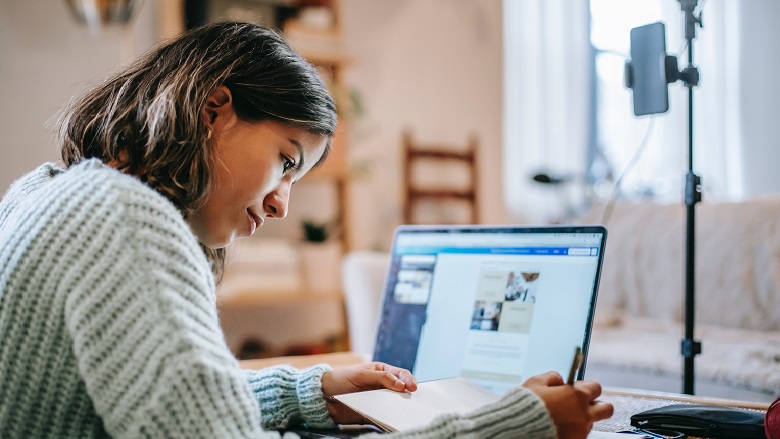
[(634, 160)]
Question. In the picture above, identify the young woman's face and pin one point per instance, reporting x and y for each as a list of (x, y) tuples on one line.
[(255, 165)]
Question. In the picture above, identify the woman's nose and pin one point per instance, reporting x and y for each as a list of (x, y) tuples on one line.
[(276, 202)]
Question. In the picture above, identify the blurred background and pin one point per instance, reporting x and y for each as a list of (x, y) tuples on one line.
[(526, 96)]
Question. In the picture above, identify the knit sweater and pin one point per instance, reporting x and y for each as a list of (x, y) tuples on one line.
[(108, 327)]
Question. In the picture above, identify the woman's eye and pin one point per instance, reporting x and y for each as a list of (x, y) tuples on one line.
[(287, 164)]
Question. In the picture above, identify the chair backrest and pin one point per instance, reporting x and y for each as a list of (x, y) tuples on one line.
[(449, 196), (363, 276)]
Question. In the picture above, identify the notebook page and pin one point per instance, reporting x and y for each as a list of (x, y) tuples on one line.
[(402, 411)]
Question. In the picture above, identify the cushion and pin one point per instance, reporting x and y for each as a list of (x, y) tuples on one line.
[(738, 358)]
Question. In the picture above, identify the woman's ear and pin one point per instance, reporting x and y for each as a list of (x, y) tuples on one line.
[(219, 104)]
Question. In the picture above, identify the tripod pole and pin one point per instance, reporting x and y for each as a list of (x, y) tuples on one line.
[(690, 347)]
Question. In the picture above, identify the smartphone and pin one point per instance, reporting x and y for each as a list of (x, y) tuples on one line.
[(646, 75)]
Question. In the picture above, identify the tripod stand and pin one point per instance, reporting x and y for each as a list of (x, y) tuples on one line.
[(650, 97)]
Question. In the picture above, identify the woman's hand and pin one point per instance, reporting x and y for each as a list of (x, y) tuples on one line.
[(573, 409), (367, 376)]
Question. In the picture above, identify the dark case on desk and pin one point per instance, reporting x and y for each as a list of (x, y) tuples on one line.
[(705, 421)]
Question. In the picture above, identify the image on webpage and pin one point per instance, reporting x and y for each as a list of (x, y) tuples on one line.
[(504, 305)]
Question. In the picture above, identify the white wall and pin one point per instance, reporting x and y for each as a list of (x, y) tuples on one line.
[(45, 58), (760, 94)]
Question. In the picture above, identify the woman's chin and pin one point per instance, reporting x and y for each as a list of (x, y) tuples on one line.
[(218, 242)]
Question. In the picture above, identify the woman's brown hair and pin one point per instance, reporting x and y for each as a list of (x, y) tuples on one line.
[(147, 120)]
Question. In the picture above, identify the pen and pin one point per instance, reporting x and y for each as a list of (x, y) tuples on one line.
[(576, 362)]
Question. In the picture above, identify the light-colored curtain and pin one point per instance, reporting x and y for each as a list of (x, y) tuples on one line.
[(718, 107), (546, 106)]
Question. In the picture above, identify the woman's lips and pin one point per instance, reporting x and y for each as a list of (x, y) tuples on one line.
[(255, 221)]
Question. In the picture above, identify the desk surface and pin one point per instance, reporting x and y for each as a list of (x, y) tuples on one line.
[(626, 401), (241, 299), (335, 359)]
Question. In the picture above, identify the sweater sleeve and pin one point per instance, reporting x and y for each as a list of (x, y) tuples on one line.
[(287, 396), (519, 414), (141, 311)]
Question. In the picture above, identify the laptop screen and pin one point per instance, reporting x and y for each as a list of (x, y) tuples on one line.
[(494, 304)]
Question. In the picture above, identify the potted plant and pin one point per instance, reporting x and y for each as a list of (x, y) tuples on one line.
[(320, 258), (314, 231)]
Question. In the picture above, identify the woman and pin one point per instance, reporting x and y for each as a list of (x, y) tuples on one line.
[(108, 323)]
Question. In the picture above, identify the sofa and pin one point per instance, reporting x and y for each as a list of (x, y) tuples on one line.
[(638, 325)]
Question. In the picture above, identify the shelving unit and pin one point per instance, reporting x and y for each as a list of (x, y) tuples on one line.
[(323, 47)]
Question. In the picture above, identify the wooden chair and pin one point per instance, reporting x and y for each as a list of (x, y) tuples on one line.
[(440, 156)]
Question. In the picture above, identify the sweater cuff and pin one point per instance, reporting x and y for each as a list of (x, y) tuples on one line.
[(311, 399), (288, 396), (534, 421)]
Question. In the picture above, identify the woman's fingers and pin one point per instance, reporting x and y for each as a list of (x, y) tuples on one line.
[(399, 374), (574, 408), (369, 376), (601, 410), (548, 379), (377, 379), (591, 388)]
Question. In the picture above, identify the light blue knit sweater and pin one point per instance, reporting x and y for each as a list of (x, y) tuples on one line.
[(108, 327)]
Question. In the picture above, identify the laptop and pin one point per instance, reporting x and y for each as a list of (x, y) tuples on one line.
[(496, 304)]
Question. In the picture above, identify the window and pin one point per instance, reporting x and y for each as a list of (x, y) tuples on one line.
[(618, 134), (567, 111)]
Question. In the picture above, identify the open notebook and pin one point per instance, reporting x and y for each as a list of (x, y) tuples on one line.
[(493, 304)]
